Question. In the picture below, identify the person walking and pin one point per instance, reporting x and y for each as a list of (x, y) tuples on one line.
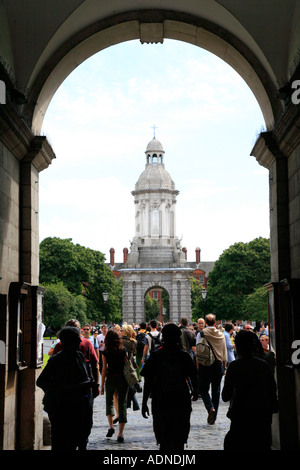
[(188, 337), (152, 340), (140, 343), (101, 341), (201, 326), (249, 386), (86, 347), (113, 380), (171, 381), (129, 344), (94, 341), (264, 352), (68, 396), (211, 376), (228, 331)]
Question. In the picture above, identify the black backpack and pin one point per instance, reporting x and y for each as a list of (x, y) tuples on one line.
[(155, 342), (140, 342)]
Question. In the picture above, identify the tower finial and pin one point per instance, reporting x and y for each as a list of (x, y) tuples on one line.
[(154, 127)]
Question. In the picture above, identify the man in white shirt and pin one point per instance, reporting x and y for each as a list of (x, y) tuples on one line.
[(201, 325), (101, 339)]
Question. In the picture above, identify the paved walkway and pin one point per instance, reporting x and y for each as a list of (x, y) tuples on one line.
[(139, 434)]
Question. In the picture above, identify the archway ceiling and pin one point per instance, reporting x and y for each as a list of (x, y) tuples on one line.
[(33, 31)]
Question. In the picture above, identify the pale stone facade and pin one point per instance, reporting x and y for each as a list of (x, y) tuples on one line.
[(155, 258), (38, 51)]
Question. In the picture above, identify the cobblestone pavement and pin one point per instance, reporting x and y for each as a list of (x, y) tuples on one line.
[(138, 432)]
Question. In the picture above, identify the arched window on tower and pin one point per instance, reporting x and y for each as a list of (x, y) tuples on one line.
[(160, 159), (148, 158), (154, 159)]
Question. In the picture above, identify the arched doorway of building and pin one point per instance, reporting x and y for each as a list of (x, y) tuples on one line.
[(157, 305), (44, 84)]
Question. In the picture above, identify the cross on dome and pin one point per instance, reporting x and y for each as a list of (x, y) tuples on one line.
[(154, 127)]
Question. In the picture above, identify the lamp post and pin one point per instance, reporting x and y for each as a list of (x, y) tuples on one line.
[(105, 296), (204, 294)]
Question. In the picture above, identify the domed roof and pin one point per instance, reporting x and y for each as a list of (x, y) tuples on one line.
[(154, 146), (155, 177)]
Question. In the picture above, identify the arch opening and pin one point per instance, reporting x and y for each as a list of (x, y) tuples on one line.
[(181, 155), (45, 84), (157, 304)]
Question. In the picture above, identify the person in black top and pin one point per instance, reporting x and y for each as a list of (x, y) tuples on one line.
[(251, 389), (171, 378), (68, 398), (114, 357)]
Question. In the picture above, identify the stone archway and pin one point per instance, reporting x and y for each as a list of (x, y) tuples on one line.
[(137, 282), (141, 25), (239, 34)]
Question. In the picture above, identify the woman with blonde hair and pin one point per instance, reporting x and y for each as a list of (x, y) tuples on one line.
[(128, 339)]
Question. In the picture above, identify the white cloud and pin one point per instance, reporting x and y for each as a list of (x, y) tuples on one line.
[(99, 124)]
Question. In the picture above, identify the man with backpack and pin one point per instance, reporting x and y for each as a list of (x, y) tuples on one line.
[(188, 337), (140, 343), (211, 357), (152, 341)]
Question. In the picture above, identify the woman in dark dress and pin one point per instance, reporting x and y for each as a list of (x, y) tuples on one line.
[(171, 378), (249, 386), (114, 357), (68, 398)]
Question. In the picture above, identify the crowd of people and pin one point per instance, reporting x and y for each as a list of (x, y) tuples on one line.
[(175, 364)]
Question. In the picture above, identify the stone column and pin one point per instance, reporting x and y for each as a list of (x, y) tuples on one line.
[(30, 409), (269, 155), (37, 159), (276, 151)]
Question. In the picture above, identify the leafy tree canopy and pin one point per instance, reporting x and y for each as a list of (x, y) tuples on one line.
[(240, 270), (255, 306), (84, 273), (196, 298), (60, 305), (151, 308)]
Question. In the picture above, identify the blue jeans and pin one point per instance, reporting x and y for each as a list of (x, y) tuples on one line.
[(211, 376)]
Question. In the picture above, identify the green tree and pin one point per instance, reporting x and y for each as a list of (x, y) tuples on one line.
[(255, 306), (166, 304), (60, 262), (196, 299), (241, 269), (60, 305), (151, 308), (84, 273)]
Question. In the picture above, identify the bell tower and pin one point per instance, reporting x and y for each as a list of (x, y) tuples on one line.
[(156, 258)]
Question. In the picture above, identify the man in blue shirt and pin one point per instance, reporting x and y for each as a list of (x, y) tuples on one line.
[(227, 333)]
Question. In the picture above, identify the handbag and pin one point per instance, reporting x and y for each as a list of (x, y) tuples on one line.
[(130, 373)]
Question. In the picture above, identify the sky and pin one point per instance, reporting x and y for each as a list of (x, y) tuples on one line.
[(100, 121)]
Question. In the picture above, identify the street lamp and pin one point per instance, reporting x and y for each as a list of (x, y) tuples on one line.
[(105, 296), (204, 294)]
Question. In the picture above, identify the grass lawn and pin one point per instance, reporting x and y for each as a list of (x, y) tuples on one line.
[(45, 359)]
